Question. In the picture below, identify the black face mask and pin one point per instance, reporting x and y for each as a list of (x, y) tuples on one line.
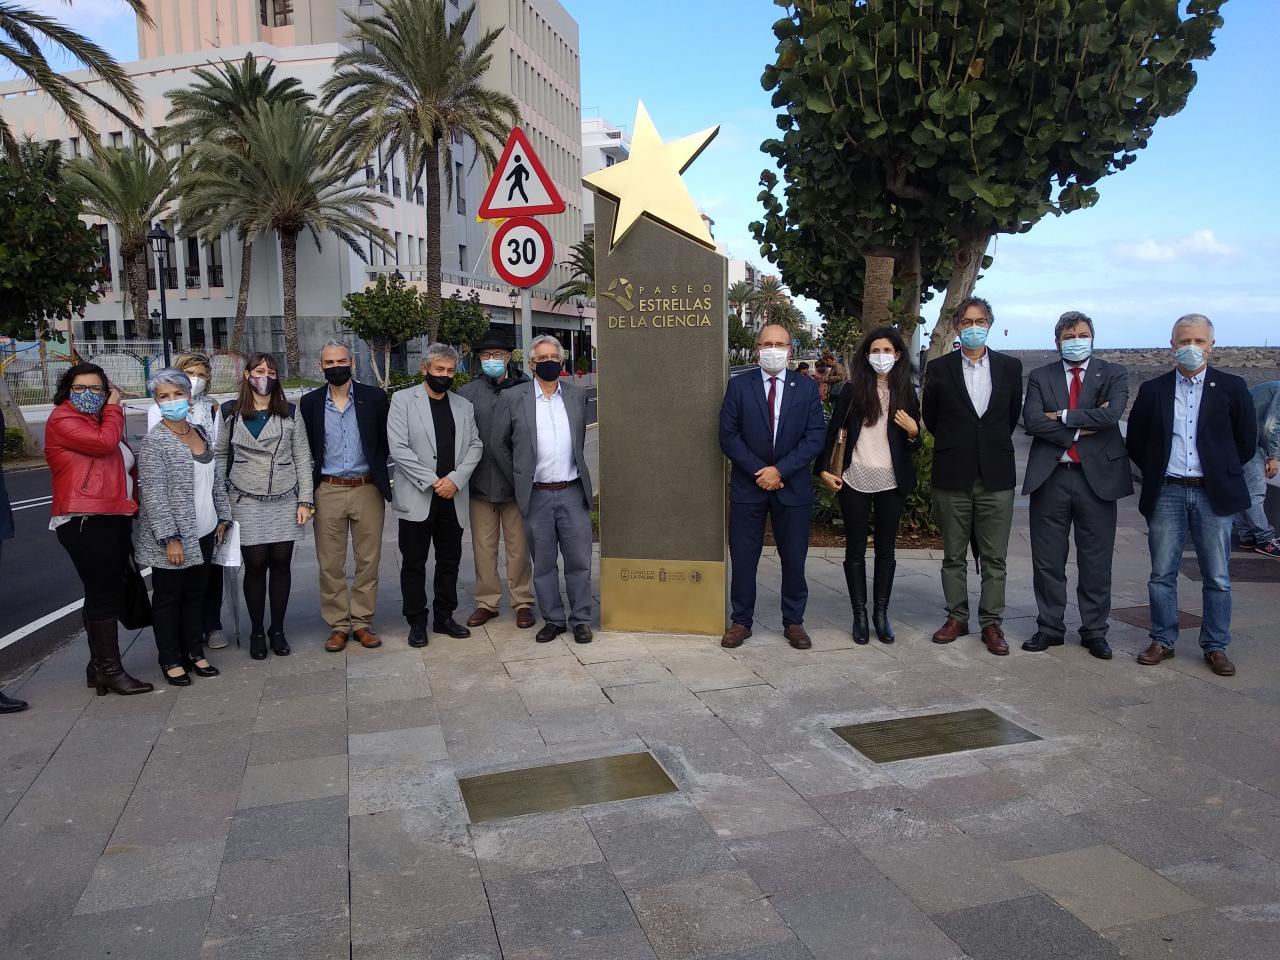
[(337, 375), (548, 371), (439, 384)]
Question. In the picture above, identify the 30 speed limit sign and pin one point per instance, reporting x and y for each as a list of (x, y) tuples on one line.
[(522, 251)]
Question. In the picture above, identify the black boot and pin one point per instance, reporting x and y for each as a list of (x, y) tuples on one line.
[(881, 590), (855, 578), (279, 645), (258, 646), (90, 674), (109, 673)]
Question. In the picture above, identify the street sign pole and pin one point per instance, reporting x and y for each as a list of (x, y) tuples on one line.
[(526, 320)]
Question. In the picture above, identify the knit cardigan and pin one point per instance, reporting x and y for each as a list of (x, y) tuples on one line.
[(167, 500)]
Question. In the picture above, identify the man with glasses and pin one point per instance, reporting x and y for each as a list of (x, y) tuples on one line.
[(971, 402), (494, 511)]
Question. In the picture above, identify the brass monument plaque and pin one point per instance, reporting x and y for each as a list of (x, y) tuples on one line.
[(514, 793), (885, 741), (662, 596)]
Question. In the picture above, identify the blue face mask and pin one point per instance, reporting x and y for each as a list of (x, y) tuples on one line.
[(493, 368), (973, 338), (90, 403), (1189, 357), (1077, 350), (174, 409)]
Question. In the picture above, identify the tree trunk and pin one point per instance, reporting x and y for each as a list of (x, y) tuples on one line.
[(289, 269), (964, 275), (136, 265), (13, 417), (242, 297), (431, 296), (911, 280), (877, 291)]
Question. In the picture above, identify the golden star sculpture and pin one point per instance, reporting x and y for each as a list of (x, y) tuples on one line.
[(648, 182)]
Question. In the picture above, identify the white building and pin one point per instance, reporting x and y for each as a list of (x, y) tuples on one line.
[(603, 145)]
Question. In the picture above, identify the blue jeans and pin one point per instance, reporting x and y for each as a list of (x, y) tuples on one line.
[(1179, 511), (1252, 524)]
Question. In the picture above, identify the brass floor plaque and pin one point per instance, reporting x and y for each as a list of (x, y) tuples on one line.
[(514, 793), (887, 740)]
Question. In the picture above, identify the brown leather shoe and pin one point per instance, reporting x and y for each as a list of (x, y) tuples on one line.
[(1219, 664), (950, 630), (1154, 654), (367, 638), (796, 636), (734, 636), (525, 618), (337, 641), (480, 617), (993, 637)]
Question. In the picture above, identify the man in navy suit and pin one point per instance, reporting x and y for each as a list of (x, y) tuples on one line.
[(1190, 432), (771, 428)]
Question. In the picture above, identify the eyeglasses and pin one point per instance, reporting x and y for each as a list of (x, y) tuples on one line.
[(80, 389), (493, 355)]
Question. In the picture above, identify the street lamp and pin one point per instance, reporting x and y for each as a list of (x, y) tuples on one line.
[(159, 239), (513, 296)]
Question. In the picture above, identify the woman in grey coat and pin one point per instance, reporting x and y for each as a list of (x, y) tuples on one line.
[(182, 513)]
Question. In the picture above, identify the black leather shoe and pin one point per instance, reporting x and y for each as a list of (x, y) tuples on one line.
[(279, 645), (10, 705), (258, 646), (549, 632), (451, 628), (1098, 647), (582, 633), (418, 635), (208, 670), (1041, 641), (181, 680)]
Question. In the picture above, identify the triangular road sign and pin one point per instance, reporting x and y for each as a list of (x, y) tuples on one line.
[(521, 186)]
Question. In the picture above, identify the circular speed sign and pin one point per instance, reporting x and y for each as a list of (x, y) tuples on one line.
[(522, 251)]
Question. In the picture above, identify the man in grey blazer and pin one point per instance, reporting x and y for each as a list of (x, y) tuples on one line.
[(1077, 470), (434, 443), (545, 437)]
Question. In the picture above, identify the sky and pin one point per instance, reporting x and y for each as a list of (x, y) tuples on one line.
[(1190, 227)]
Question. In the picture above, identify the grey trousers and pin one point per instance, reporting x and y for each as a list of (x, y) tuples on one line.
[(1065, 501), (558, 520)]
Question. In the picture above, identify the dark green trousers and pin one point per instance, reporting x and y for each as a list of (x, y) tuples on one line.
[(985, 517)]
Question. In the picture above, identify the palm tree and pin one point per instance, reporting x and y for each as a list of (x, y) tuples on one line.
[(129, 187), (212, 108), (741, 295), (582, 264), (26, 35), (285, 178), (771, 298), (410, 82)]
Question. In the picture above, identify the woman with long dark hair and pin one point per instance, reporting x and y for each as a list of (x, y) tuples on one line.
[(264, 461), (880, 414), (93, 509)]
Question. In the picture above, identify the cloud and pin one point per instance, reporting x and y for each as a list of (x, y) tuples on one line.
[(1197, 244)]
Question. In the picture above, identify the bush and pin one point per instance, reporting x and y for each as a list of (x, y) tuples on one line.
[(400, 381), (15, 441), (826, 506), (917, 517)]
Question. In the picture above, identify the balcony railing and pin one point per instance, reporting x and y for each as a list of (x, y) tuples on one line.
[(418, 272), (215, 275), (193, 279)]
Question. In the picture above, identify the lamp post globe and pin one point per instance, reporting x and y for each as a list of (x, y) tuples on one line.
[(159, 239)]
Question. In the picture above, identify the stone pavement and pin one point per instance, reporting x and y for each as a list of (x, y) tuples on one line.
[(308, 807)]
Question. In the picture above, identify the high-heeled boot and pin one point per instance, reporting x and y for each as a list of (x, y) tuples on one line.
[(109, 673), (881, 589), (855, 578)]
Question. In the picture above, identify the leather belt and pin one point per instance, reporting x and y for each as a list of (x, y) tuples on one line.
[(558, 485), (1184, 481), (1070, 465), (347, 481)]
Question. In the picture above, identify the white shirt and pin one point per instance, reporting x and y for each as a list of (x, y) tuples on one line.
[(1184, 458), (1062, 414), (206, 514), (555, 460), (781, 377), (977, 380)]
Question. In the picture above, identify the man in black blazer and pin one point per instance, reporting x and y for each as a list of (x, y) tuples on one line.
[(1190, 432), (347, 429), (1077, 470), (771, 428), (972, 398)]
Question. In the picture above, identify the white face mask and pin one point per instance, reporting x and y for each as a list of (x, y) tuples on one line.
[(197, 386), (773, 359), (881, 362)]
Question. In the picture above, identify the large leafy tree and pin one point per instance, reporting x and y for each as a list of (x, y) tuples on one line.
[(407, 83), (285, 179), (462, 321), (582, 267), (131, 188), (384, 316), (944, 122), (28, 37), (213, 108)]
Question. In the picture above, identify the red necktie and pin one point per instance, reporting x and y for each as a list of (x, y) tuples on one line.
[(773, 395), (1072, 400)]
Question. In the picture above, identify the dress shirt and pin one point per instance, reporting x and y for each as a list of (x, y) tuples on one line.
[(777, 396), (555, 463), (343, 450), (977, 380), (1188, 393), (1062, 414)]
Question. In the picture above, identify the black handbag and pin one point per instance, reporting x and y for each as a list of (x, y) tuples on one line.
[(135, 613)]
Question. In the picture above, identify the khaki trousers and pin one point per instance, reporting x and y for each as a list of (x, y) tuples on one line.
[(341, 513), (487, 521)]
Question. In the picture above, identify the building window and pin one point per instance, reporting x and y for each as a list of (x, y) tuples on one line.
[(419, 196), (219, 331), (395, 186), (458, 181), (397, 248), (192, 268), (117, 140), (74, 146), (213, 261), (281, 12), (104, 240), (464, 262), (422, 250), (197, 332), (382, 182)]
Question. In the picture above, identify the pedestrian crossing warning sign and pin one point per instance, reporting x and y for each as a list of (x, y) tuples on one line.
[(521, 186)]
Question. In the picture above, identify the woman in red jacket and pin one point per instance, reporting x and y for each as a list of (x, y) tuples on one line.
[(93, 509)]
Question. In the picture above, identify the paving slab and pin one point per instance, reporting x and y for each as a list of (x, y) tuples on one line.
[(138, 877), (173, 930), (531, 844), (656, 840), (292, 781), (558, 908), (1033, 926)]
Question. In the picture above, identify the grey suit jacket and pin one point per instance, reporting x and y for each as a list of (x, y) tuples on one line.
[(411, 438), (520, 435), (1103, 456)]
